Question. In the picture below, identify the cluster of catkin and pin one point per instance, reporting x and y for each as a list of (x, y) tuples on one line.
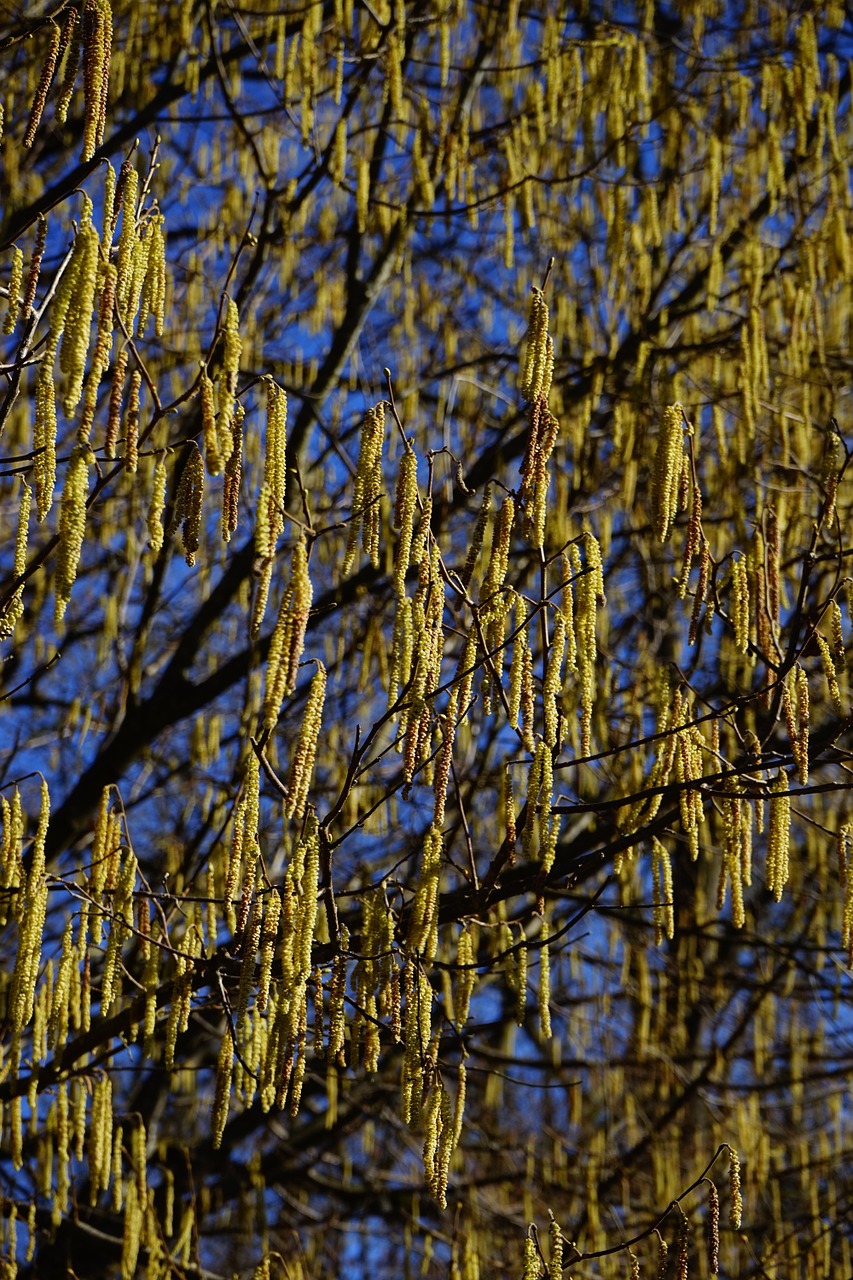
[(86, 34), (535, 385)]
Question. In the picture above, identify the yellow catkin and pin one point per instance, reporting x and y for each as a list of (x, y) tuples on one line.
[(405, 511), (97, 48), (362, 193), (589, 596), (222, 1092), (555, 1240), (72, 524), (535, 380), (368, 487), (275, 452), (740, 603), (232, 353), (423, 926), (78, 316), (101, 355), (545, 981), (44, 442), (735, 1194), (14, 607), (667, 471), (212, 454), (154, 518), (796, 708), (302, 766), (288, 638), (152, 302), (664, 917), (778, 836), (828, 664), (553, 683), (31, 926), (127, 194), (13, 296)]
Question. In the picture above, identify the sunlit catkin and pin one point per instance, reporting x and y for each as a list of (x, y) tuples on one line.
[(423, 926), (14, 607), (72, 524), (778, 836), (589, 596), (97, 27), (302, 766), (232, 353), (212, 454), (667, 471), (535, 380), (796, 708), (735, 1195), (555, 1240), (405, 511), (368, 487), (828, 664), (545, 981), (552, 685), (13, 296), (740, 603), (31, 926), (664, 916), (288, 638)]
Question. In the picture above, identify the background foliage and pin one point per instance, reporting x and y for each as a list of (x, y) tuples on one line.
[(558, 931)]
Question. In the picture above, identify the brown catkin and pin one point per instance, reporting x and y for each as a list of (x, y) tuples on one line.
[(34, 268), (192, 482), (45, 81), (131, 424), (233, 473), (72, 34), (712, 1229), (97, 40), (682, 1254)]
